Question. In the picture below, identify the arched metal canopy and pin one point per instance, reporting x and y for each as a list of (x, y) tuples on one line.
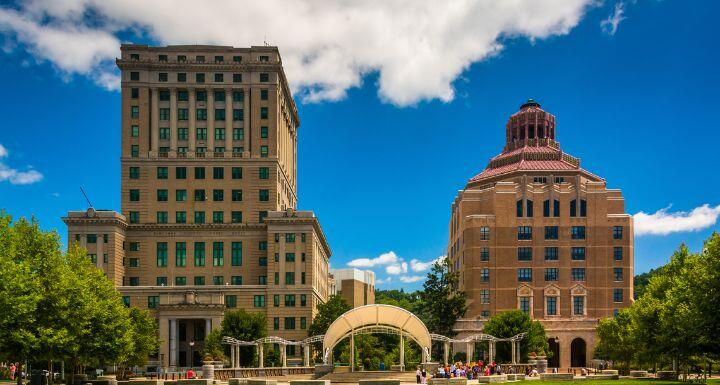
[(364, 317)]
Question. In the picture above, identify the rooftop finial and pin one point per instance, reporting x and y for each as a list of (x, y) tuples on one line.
[(530, 103)]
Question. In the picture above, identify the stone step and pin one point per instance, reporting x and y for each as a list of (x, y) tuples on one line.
[(355, 377)]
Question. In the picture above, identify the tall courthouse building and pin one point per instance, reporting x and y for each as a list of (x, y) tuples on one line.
[(208, 217), (534, 231)]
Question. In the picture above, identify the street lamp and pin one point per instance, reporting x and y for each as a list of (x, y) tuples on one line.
[(192, 343)]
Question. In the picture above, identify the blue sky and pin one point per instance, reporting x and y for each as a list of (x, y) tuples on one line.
[(386, 141)]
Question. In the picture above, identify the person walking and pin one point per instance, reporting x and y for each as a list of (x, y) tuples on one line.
[(418, 375), (13, 368)]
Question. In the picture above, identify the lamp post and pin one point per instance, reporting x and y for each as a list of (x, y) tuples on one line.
[(192, 343)]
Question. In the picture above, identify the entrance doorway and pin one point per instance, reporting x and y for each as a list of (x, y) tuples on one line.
[(577, 353), (554, 359)]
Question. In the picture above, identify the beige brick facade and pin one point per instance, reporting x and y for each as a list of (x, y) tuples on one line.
[(208, 216), (536, 232)]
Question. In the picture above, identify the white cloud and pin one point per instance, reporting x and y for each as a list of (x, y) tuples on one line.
[(15, 176), (411, 278), (663, 222), (611, 23), (419, 266), (383, 281), (398, 268), (384, 259), (418, 48)]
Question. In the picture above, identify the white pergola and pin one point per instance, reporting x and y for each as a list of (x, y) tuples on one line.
[(470, 341), (235, 345)]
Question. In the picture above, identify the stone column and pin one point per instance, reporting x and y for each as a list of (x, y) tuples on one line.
[(83, 241), (514, 352), (306, 355), (469, 351), (491, 351), (228, 120), (446, 352), (173, 343), (210, 120), (208, 326), (232, 356), (99, 251), (192, 126), (155, 114), (173, 120), (261, 358)]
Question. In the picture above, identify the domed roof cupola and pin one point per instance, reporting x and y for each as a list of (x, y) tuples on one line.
[(531, 126)]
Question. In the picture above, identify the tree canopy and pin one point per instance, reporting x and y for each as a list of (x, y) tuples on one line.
[(513, 322), (244, 326)]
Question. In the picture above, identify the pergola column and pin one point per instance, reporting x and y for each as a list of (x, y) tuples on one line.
[(469, 351), (261, 363), (283, 352), (491, 351), (352, 351), (446, 352), (402, 351), (237, 356), (232, 356), (514, 352), (306, 355)]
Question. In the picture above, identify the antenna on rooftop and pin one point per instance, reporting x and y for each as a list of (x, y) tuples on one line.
[(265, 40), (86, 197)]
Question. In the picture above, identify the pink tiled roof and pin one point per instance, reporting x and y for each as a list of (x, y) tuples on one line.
[(522, 163)]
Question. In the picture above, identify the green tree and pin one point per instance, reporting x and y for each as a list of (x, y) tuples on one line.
[(617, 339), (144, 338), (441, 301), (327, 313), (245, 326), (213, 348), (510, 323)]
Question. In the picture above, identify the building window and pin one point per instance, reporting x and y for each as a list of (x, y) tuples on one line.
[(303, 300), (134, 112), (219, 79), (231, 301), (199, 217), (289, 323), (524, 253), (263, 113), (236, 195), (551, 253), (529, 208), (218, 172), (182, 114), (134, 217), (218, 217), (551, 305), (276, 323), (525, 304), (551, 274), (162, 77), (236, 173), (218, 195), (618, 253), (236, 280), (519, 209), (153, 301), (180, 217), (262, 215), (578, 305), (263, 151), (220, 134), (263, 132), (303, 323), (577, 253), (180, 281), (237, 78), (218, 258), (618, 272), (264, 195), (238, 96), (183, 134), (180, 173), (290, 300), (264, 77), (264, 173), (617, 232), (161, 281), (134, 195), (259, 301), (485, 275), (134, 281), (219, 114), (485, 254), (162, 195), (484, 296), (134, 131), (484, 233), (134, 262), (126, 300), (199, 253), (236, 216), (617, 295), (524, 232), (524, 275), (262, 261), (134, 93), (577, 274), (162, 172), (577, 232), (134, 151), (182, 77), (180, 195), (199, 172), (218, 280), (290, 278), (180, 254), (276, 300), (236, 254), (551, 232), (289, 257), (161, 254), (199, 280), (135, 76), (264, 94), (200, 78), (199, 195), (162, 217)]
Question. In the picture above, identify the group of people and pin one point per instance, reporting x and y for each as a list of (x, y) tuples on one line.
[(470, 370)]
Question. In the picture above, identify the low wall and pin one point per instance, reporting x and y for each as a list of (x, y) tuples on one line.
[(492, 379), (515, 377), (639, 373), (557, 376), (261, 381), (602, 376), (226, 374), (379, 382), (666, 375), (237, 381), (204, 381), (310, 382)]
